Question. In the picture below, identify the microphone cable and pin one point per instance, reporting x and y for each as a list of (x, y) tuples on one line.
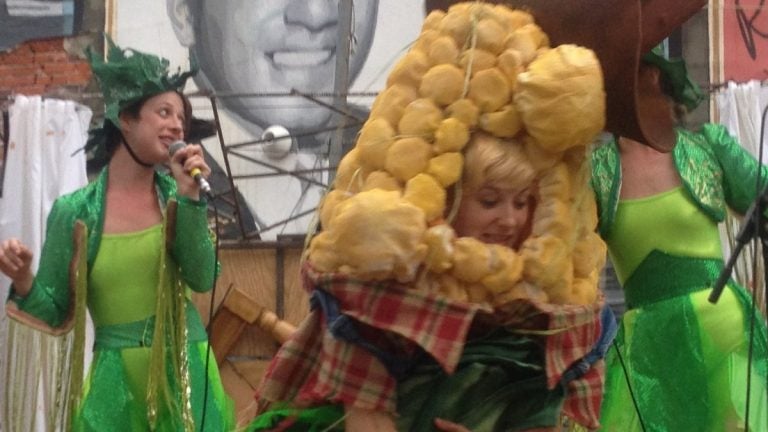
[(211, 204), (629, 384), (210, 198)]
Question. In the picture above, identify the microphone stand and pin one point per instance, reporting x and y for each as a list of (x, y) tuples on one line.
[(754, 224)]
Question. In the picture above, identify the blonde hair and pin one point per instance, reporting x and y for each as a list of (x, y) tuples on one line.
[(488, 159)]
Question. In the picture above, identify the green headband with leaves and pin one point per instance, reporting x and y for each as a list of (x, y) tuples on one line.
[(125, 77)]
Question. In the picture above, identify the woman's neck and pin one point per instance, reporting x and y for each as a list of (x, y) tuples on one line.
[(645, 171), (123, 165), (131, 201), (125, 173)]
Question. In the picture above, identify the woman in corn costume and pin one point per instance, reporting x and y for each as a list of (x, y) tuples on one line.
[(410, 320), (130, 246), (679, 363)]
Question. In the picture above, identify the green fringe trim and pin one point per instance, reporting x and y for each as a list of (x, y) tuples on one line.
[(168, 387), (80, 300)]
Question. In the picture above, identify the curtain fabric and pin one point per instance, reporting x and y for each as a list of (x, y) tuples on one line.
[(740, 108), (42, 163)]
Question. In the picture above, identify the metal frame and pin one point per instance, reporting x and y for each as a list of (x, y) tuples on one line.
[(343, 119)]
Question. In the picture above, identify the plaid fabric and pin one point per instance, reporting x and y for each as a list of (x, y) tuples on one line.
[(314, 367), (565, 348), (584, 397)]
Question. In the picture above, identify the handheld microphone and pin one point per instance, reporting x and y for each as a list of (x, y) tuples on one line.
[(195, 173)]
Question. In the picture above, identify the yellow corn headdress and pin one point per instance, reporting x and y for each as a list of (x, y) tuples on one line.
[(476, 67)]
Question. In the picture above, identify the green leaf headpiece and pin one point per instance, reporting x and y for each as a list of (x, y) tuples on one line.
[(125, 77)]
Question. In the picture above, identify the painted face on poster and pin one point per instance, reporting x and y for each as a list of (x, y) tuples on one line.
[(275, 46)]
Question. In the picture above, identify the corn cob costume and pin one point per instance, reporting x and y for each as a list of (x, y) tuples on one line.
[(400, 304), (149, 364)]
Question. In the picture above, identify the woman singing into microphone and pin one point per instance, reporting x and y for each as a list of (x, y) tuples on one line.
[(141, 243)]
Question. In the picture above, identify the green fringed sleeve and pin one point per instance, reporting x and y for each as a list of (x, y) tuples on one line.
[(49, 298), (740, 168), (193, 247)]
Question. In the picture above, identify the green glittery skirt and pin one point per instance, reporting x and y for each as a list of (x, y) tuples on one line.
[(116, 387), (680, 363)]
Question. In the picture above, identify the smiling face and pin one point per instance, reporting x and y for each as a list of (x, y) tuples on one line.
[(250, 46), (159, 122), (497, 201), (495, 214)]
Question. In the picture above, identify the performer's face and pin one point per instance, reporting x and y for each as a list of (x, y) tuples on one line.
[(159, 123), (495, 214)]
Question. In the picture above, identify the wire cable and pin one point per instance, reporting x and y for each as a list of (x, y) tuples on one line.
[(210, 310), (629, 385), (759, 231)]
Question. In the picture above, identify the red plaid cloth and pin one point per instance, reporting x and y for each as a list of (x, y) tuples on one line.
[(314, 367)]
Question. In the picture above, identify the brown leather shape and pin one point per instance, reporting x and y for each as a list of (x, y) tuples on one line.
[(618, 31)]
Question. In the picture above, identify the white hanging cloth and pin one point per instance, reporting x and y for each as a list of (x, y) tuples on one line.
[(740, 109), (42, 163)]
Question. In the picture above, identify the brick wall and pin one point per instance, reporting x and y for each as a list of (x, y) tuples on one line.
[(42, 66)]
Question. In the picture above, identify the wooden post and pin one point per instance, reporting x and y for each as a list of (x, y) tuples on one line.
[(237, 312)]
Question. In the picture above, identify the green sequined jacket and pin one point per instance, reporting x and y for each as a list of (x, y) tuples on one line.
[(192, 249), (715, 170)]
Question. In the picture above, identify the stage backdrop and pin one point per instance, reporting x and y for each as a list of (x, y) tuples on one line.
[(254, 54)]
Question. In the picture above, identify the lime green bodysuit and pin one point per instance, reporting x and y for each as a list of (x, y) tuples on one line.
[(122, 297), (657, 222), (680, 363)]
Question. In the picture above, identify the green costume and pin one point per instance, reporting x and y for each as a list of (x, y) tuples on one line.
[(148, 370), (499, 385), (682, 359)]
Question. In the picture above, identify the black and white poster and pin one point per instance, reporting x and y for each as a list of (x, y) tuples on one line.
[(271, 65)]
